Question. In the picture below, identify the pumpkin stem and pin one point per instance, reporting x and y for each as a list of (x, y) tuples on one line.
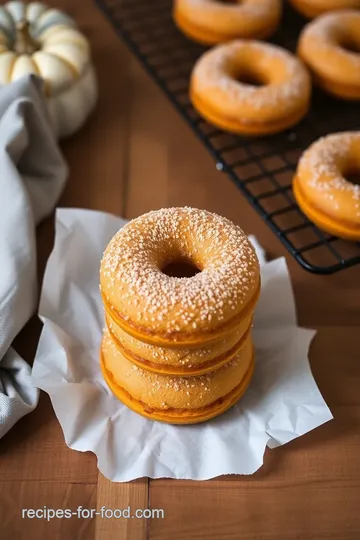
[(24, 43)]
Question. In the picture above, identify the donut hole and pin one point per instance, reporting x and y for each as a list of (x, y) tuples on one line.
[(181, 268), (251, 78), (353, 177), (350, 44)]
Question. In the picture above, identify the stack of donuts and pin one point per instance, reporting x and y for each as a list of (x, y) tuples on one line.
[(179, 288), (248, 87)]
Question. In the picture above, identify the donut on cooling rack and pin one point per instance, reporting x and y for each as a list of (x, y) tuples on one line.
[(176, 400), (321, 189), (151, 306), (314, 8), (210, 22), (250, 88), (328, 47)]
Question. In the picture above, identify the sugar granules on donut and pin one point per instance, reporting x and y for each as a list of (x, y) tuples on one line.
[(256, 9), (210, 72), (321, 158), (161, 354), (128, 265), (158, 382), (248, 6), (328, 32)]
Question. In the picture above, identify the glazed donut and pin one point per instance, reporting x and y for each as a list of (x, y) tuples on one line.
[(210, 21), (322, 46), (218, 94), (166, 311), (314, 8), (178, 361), (320, 185), (176, 400)]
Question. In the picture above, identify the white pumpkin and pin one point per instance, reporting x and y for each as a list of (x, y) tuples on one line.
[(44, 41)]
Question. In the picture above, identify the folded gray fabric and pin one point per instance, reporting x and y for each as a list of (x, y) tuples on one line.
[(32, 176)]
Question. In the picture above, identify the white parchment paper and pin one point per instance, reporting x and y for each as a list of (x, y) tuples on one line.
[(282, 402)]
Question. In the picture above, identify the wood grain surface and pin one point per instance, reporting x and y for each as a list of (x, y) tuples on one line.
[(136, 154)]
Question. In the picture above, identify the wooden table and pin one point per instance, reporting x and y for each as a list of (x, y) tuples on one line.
[(134, 155)]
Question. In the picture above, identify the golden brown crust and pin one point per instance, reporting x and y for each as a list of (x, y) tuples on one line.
[(179, 349), (211, 22), (322, 191), (218, 94), (175, 399), (323, 48), (253, 128), (181, 417), (167, 311), (315, 8), (161, 391), (178, 361), (184, 339)]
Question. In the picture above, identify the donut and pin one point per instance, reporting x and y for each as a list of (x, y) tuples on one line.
[(164, 310), (314, 8), (176, 400), (179, 361), (179, 288), (224, 90), (210, 22), (321, 189), (323, 46)]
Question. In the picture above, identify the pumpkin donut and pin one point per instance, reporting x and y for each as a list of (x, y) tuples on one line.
[(211, 22), (314, 8), (176, 400), (218, 94), (322, 46), (320, 185), (178, 361), (166, 311)]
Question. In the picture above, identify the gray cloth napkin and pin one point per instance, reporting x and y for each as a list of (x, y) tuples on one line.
[(32, 176)]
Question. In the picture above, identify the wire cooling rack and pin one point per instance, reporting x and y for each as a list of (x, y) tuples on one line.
[(261, 168)]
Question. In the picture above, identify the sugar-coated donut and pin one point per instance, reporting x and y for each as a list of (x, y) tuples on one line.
[(179, 361), (320, 185), (211, 21), (323, 46), (314, 8), (179, 311), (218, 94), (176, 400)]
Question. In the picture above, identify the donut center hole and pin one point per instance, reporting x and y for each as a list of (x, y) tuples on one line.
[(353, 177), (181, 269), (250, 78), (229, 1), (350, 45)]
